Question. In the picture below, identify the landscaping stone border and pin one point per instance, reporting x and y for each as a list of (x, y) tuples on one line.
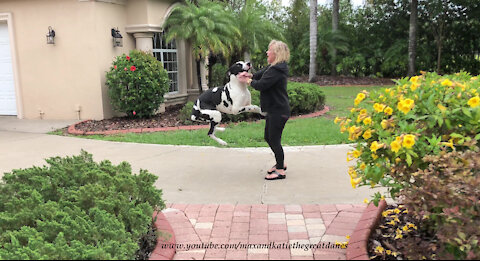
[(74, 131), (357, 245), (162, 225)]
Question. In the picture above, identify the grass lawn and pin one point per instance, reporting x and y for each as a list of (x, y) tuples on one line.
[(298, 132)]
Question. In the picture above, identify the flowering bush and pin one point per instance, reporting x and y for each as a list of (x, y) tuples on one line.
[(136, 84), (395, 128)]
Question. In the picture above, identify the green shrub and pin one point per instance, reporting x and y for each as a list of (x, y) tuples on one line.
[(305, 98), (185, 113), (136, 84), (75, 209)]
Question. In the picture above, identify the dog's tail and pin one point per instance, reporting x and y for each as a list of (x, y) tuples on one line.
[(196, 111)]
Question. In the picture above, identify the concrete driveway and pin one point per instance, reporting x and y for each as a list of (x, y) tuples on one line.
[(197, 175)]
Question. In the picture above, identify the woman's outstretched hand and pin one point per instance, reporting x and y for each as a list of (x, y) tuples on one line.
[(244, 77)]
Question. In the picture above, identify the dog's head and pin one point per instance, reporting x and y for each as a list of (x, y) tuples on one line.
[(239, 67)]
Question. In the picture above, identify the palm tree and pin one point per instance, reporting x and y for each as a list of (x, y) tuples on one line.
[(207, 26), (412, 42), (313, 41), (335, 14), (257, 31)]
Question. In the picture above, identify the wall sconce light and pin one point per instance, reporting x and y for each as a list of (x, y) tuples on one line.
[(50, 36), (117, 38)]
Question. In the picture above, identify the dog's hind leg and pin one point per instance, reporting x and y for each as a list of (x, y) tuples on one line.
[(215, 119)]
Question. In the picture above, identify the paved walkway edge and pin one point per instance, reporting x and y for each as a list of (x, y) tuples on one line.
[(165, 249), (357, 245), (74, 131)]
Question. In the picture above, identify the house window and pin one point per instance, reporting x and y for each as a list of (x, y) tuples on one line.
[(167, 54)]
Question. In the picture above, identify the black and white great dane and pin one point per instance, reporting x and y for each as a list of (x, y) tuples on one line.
[(233, 98)]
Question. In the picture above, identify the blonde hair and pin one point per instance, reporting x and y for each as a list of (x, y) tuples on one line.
[(282, 53)]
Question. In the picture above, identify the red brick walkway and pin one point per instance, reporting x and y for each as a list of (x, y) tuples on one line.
[(262, 224)]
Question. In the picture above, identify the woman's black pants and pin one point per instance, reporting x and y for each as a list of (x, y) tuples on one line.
[(273, 135)]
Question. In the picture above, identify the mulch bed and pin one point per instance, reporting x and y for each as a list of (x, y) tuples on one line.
[(400, 237), (170, 118)]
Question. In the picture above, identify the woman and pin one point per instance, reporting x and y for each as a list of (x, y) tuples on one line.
[(272, 84)]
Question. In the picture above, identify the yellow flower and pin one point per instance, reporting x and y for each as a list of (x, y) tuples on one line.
[(360, 98), (396, 211), (357, 101), (375, 146), (349, 155), (379, 249), (352, 110), (366, 201), (405, 105), (447, 82), (352, 172), (449, 144), (395, 146), (379, 107), (414, 79), (355, 182), (388, 252), (367, 134), (441, 107), (414, 86), (388, 111), (474, 101), (409, 102), (337, 120), (408, 141), (374, 156), (363, 166), (357, 153), (367, 121), (363, 111)]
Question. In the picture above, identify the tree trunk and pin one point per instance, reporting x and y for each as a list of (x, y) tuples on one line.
[(203, 73), (412, 41), (313, 41), (439, 54), (335, 15), (247, 57)]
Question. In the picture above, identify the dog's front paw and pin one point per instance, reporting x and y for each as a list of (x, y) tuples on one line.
[(264, 114)]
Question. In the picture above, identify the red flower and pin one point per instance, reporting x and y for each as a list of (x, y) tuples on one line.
[(133, 68), (125, 68), (115, 67), (128, 58), (134, 113)]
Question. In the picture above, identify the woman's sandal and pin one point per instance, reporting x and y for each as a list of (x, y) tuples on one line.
[(274, 166), (279, 176)]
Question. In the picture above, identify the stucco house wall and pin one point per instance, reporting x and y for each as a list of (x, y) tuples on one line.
[(67, 80)]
